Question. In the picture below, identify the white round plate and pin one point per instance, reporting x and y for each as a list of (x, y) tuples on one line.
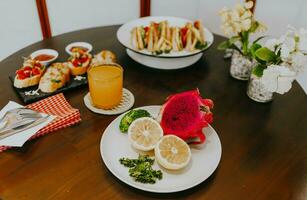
[(124, 35), (45, 51), (205, 159), (78, 44), (125, 104), (164, 63)]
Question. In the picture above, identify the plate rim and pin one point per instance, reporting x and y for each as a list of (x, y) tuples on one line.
[(163, 56), (131, 184)]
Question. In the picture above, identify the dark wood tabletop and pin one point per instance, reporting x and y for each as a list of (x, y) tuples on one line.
[(264, 146)]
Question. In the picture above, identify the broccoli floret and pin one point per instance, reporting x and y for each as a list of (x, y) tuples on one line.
[(130, 117)]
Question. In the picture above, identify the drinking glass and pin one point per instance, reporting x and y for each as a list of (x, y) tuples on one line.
[(105, 84)]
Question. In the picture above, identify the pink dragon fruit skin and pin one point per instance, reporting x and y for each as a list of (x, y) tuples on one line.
[(185, 115)]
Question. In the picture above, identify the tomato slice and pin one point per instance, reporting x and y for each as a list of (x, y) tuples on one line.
[(184, 31), (146, 28)]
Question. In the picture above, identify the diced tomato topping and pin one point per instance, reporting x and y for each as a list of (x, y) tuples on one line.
[(76, 63), (83, 59), (36, 71), (21, 75), (27, 68), (37, 64)]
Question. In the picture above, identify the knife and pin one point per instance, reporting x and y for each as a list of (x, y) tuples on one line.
[(23, 127)]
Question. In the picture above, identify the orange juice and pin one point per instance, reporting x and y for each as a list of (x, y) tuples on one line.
[(105, 85)]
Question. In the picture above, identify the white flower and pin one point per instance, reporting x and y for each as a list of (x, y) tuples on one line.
[(284, 52), (238, 19), (278, 78), (302, 44), (299, 61)]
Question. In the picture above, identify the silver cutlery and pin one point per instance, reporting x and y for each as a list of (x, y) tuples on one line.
[(22, 127), (18, 117)]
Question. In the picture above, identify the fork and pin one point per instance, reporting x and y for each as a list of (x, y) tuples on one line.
[(19, 116)]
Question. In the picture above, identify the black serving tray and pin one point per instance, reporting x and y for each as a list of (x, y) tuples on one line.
[(22, 92)]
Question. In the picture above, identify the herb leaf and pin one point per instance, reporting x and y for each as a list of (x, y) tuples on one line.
[(141, 169)]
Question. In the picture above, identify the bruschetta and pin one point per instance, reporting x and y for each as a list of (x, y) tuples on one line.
[(79, 61), (56, 76), (29, 74)]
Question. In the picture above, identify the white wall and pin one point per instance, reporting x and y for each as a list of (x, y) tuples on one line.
[(205, 10), (20, 25), (70, 15)]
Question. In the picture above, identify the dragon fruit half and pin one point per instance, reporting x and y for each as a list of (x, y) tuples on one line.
[(185, 115)]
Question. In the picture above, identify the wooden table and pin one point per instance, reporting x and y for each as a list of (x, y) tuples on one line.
[(264, 145)]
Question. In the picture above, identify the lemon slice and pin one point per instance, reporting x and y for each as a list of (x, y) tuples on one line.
[(144, 133), (172, 152)]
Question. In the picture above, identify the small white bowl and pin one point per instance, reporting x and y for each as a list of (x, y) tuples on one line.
[(79, 44), (51, 52)]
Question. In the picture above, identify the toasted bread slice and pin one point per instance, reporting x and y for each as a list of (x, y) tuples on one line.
[(27, 82), (56, 76)]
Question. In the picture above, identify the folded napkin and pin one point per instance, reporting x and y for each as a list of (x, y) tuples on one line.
[(65, 115)]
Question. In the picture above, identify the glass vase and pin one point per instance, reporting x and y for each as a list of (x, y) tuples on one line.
[(256, 90), (241, 66)]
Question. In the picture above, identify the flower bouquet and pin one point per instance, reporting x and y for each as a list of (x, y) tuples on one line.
[(239, 23), (279, 61)]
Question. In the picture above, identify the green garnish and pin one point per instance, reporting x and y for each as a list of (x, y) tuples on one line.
[(130, 117), (141, 169), (55, 80), (200, 45)]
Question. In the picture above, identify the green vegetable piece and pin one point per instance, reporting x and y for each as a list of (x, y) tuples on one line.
[(130, 117), (265, 54), (141, 169)]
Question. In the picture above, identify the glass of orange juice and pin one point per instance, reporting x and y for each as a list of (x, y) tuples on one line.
[(105, 84)]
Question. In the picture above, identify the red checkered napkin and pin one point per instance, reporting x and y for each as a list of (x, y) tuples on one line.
[(58, 106)]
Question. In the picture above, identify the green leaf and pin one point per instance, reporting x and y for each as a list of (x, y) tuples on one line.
[(224, 45), (258, 70), (234, 39), (265, 54), (254, 48), (259, 38)]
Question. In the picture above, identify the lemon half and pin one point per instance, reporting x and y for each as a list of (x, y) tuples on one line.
[(144, 133), (172, 152)]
